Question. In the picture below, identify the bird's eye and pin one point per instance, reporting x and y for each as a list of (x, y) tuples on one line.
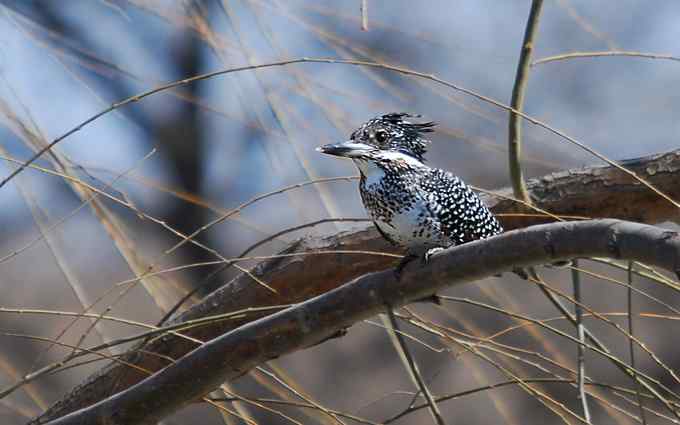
[(381, 136)]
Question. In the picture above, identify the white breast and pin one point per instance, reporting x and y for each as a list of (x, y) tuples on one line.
[(372, 172), (402, 225), (404, 228)]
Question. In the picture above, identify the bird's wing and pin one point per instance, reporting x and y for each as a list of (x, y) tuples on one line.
[(463, 216), (384, 235)]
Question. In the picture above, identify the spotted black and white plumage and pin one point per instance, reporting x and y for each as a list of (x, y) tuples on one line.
[(412, 205), (419, 207)]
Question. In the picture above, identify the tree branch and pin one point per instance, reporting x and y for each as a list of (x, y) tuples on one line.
[(600, 191), (517, 102), (311, 322)]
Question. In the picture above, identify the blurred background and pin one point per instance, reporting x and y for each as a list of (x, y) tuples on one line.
[(184, 156)]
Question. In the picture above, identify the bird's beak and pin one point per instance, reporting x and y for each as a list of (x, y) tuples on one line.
[(348, 149)]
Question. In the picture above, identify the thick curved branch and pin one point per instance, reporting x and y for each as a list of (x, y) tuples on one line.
[(600, 191), (235, 353)]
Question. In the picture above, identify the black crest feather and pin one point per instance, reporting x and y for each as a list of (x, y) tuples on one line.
[(403, 135), (397, 118)]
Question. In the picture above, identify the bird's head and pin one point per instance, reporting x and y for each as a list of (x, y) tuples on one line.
[(390, 132)]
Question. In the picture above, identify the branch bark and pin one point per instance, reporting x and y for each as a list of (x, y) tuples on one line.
[(311, 322), (599, 191)]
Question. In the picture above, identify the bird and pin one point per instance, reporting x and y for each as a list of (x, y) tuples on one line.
[(412, 205)]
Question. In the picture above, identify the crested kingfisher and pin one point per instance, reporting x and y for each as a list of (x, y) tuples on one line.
[(414, 206)]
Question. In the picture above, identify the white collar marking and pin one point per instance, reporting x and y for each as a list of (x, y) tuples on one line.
[(374, 173)]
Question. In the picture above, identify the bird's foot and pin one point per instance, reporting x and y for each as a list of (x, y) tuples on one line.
[(434, 299), (519, 271), (338, 334), (522, 273), (404, 261), (429, 253), (424, 259), (560, 264)]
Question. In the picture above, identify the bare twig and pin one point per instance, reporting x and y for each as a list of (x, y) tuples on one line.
[(258, 198), (364, 15), (443, 331), (502, 384), (609, 53), (206, 280), (332, 416), (585, 24), (155, 331), (580, 360), (516, 175), (278, 381), (415, 372), (401, 70), (646, 382), (307, 406), (668, 403), (517, 103), (631, 346), (446, 334)]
